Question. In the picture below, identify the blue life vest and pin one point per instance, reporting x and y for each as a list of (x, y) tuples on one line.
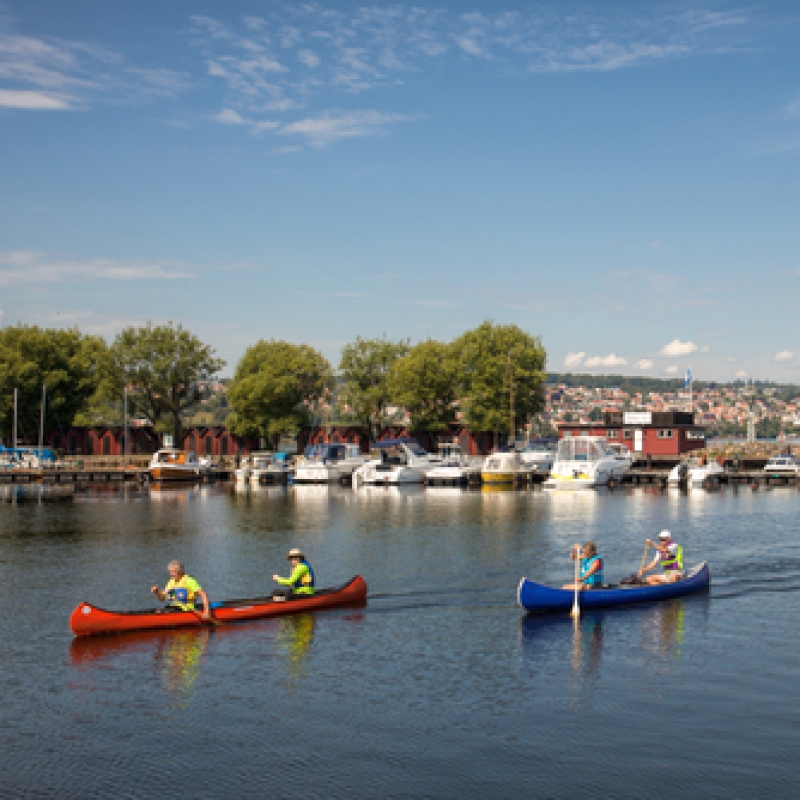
[(300, 584), (596, 578)]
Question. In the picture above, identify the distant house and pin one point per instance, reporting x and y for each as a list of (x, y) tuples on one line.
[(644, 433)]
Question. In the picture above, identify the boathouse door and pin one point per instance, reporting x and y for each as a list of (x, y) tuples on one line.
[(638, 440)]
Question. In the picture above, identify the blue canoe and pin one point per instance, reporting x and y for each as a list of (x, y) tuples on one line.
[(543, 599)]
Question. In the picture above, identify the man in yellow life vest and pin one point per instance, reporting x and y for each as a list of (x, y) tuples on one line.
[(300, 582), (669, 556), (182, 590)]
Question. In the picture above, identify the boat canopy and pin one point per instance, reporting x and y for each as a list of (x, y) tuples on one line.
[(44, 453), (411, 444), (325, 452), (583, 448)]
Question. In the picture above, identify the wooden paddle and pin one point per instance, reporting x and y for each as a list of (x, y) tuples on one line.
[(576, 611)]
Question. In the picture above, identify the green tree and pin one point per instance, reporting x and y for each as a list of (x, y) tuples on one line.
[(276, 386), (161, 365), (488, 357), (424, 384), (365, 366), (68, 363)]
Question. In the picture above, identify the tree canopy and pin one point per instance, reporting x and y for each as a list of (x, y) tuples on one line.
[(161, 365), (365, 366), (276, 386), (487, 357), (67, 362), (424, 383)]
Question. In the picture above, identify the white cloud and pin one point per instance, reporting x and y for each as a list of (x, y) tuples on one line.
[(333, 125), (574, 359), (20, 268), (229, 117), (605, 361), (671, 370), (309, 58), (678, 348), (784, 355), (741, 374), (705, 348), (644, 363), (33, 101)]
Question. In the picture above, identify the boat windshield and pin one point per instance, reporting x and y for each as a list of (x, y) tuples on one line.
[(582, 448), (416, 449)]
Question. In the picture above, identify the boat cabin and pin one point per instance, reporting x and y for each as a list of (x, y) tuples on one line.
[(584, 448), (172, 456), (328, 453), (398, 452)]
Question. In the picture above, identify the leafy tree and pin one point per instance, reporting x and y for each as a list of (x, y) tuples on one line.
[(67, 362), (485, 357), (161, 364), (424, 383), (365, 367), (275, 388)]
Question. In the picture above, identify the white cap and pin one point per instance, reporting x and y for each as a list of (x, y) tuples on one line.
[(665, 534)]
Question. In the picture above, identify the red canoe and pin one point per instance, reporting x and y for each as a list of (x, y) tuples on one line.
[(87, 619)]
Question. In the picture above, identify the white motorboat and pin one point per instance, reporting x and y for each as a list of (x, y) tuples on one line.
[(584, 461), (623, 455), (257, 464), (170, 464), (396, 461), (503, 467), (539, 454), (270, 468), (785, 464), (453, 468), (243, 471), (696, 470), (328, 463)]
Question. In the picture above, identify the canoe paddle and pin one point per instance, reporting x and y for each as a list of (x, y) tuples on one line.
[(576, 611)]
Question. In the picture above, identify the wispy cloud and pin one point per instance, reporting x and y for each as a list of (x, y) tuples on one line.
[(612, 360), (333, 125), (644, 363), (51, 74), (301, 54), (784, 356), (20, 268)]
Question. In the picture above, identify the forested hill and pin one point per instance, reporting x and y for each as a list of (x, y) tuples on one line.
[(636, 383)]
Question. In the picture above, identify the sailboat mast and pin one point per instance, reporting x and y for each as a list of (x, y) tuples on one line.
[(41, 422), (14, 426), (511, 436)]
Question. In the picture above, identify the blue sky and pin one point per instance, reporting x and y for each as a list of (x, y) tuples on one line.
[(620, 178)]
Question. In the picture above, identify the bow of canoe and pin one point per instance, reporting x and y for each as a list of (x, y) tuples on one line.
[(88, 620), (537, 598)]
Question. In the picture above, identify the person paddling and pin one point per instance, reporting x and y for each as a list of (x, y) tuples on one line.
[(591, 567), (300, 582), (181, 592), (669, 556)]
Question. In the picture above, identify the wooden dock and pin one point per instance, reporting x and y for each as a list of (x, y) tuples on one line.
[(91, 475)]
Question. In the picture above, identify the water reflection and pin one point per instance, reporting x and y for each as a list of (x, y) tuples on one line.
[(177, 656), (293, 641), (658, 629), (179, 494), (36, 493)]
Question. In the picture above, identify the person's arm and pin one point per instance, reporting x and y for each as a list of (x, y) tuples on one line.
[(650, 566), (206, 604), (161, 595), (297, 573)]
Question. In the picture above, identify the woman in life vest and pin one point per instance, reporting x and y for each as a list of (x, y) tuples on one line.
[(669, 556), (300, 582), (591, 567), (182, 591)]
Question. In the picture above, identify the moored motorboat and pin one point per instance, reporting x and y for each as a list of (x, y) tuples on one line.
[(397, 461), (503, 467), (87, 620), (583, 462), (454, 468), (537, 598), (695, 471), (170, 464), (328, 463)]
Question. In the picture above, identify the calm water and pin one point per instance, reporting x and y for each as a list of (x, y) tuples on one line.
[(439, 687)]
